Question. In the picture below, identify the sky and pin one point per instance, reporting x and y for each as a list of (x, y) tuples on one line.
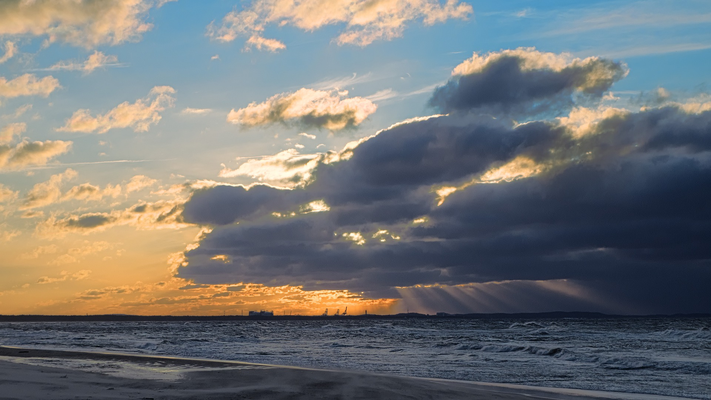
[(210, 158)]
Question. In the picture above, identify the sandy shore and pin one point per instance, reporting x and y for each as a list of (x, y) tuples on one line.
[(53, 374)]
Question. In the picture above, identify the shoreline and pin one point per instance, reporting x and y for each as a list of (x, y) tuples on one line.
[(29, 373), (401, 316)]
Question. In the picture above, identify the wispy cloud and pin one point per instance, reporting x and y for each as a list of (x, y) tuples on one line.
[(625, 31), (64, 165), (94, 61), (653, 15), (343, 82), (8, 132), (367, 21), (307, 107), (195, 111), (637, 51), (10, 51), (139, 115)]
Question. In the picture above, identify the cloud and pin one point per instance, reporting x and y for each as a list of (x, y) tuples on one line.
[(139, 182), (18, 112), (344, 81), (8, 132), (76, 254), (261, 43), (89, 192), (382, 95), (367, 21), (196, 111), (211, 205), (95, 60), (308, 136), (10, 51), (32, 214), (627, 16), (27, 85), (308, 108), (7, 194), (82, 23), (28, 153), (611, 202), (39, 251), (46, 193), (65, 276), (524, 82), (289, 168), (7, 234), (641, 50), (175, 296), (145, 216), (96, 294), (139, 116), (50, 192)]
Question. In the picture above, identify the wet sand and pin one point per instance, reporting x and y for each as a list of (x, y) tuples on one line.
[(54, 374)]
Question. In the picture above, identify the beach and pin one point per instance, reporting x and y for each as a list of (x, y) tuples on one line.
[(52, 374)]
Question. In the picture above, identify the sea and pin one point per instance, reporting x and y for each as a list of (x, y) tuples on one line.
[(660, 356)]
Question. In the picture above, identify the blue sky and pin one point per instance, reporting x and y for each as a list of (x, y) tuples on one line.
[(185, 68)]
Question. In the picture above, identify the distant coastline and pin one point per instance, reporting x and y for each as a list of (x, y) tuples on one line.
[(187, 318)]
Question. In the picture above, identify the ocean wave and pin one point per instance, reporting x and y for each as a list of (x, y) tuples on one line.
[(529, 324), (696, 334), (535, 350), (622, 364)]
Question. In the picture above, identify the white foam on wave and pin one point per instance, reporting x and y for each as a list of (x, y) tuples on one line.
[(122, 369)]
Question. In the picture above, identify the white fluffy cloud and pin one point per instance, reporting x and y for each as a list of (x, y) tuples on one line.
[(28, 153), (94, 61), (8, 132), (86, 23), (10, 51), (145, 216), (366, 20), (139, 115), (139, 182), (529, 57), (27, 85), (50, 192), (283, 168), (264, 44), (89, 192), (45, 193), (307, 107)]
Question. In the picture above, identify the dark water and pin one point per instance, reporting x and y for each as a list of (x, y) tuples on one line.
[(654, 356)]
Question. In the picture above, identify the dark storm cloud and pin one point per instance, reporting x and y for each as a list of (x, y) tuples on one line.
[(624, 210), (524, 82), (224, 205), (88, 221), (615, 216), (387, 177)]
